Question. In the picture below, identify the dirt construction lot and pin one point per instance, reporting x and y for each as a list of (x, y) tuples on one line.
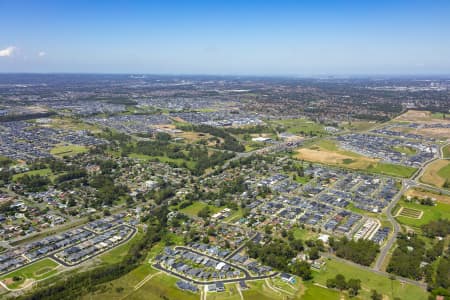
[(433, 174)]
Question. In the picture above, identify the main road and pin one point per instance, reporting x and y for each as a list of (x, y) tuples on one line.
[(396, 228), (413, 181)]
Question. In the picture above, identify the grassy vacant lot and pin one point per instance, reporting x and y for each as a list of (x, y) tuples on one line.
[(426, 117), (235, 216), (327, 152), (304, 234), (358, 125), (68, 150), (369, 281), (430, 213), (446, 151), (406, 150), (314, 292), (42, 172), (258, 290), (117, 254), (72, 124), (298, 126), (162, 285), (4, 160), (192, 210), (125, 285), (418, 116), (231, 293), (165, 159), (38, 270), (437, 173)]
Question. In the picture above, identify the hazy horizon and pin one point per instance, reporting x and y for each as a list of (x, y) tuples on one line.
[(270, 38)]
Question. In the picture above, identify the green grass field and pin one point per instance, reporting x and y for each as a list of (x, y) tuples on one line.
[(235, 216), (259, 291), (304, 234), (430, 213), (445, 172), (357, 125), (162, 285), (69, 150), (446, 151), (299, 126), (231, 293), (38, 270), (42, 172), (117, 254), (165, 159), (369, 281), (192, 210), (392, 170), (406, 150), (314, 292), (328, 152)]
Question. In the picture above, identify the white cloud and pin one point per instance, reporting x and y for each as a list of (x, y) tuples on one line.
[(7, 51), (42, 53)]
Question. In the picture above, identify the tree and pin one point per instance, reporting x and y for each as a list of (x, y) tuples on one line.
[(376, 296), (204, 212), (302, 269), (313, 253), (353, 286), (331, 283), (341, 284), (297, 245)]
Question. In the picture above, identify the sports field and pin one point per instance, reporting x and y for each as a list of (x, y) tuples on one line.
[(36, 271)]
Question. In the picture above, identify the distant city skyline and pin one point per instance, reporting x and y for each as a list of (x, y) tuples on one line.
[(288, 38)]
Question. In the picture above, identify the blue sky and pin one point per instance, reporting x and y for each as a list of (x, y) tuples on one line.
[(226, 37)]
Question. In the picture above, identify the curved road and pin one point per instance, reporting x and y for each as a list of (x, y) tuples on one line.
[(247, 275)]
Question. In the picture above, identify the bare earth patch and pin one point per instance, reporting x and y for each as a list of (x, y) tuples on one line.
[(434, 132), (414, 116), (423, 194), (335, 158)]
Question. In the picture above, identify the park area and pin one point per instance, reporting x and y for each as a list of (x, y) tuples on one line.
[(412, 213), (68, 150), (30, 273)]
